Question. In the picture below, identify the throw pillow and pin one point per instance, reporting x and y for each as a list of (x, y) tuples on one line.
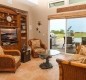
[(1, 51), (35, 43), (82, 50)]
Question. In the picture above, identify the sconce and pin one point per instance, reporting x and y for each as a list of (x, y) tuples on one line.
[(37, 29), (39, 23)]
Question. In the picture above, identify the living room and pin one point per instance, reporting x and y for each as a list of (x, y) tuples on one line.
[(38, 16)]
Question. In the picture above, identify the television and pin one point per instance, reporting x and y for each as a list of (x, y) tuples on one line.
[(8, 36)]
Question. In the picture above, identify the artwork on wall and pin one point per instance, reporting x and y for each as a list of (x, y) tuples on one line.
[(39, 23), (37, 29)]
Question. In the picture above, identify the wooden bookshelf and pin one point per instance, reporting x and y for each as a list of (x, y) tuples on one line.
[(11, 18), (23, 30)]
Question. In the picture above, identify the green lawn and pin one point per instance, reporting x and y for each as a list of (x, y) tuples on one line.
[(76, 35), (60, 35)]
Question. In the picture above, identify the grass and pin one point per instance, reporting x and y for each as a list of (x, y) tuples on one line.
[(76, 35), (60, 35), (79, 35)]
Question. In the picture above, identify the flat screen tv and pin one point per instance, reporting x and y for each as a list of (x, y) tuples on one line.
[(8, 36)]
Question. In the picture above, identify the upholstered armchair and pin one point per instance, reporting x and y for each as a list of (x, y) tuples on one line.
[(37, 47), (73, 66), (9, 60)]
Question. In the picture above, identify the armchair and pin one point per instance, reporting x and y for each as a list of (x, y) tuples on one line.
[(37, 47), (73, 66), (9, 60), (71, 70)]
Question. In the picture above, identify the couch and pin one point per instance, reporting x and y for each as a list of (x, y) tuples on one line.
[(9, 60), (73, 66)]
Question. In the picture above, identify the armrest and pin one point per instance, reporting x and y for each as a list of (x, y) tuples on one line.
[(78, 64), (12, 52), (43, 46), (72, 63), (62, 61), (7, 61)]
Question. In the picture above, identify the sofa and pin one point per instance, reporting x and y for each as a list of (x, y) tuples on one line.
[(73, 66), (9, 60)]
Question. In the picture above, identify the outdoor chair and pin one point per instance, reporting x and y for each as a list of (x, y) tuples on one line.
[(69, 42), (83, 40)]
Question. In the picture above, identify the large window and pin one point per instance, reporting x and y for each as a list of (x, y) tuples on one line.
[(66, 34), (55, 4)]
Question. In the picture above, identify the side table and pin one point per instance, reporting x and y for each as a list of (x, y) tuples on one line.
[(47, 64), (25, 55)]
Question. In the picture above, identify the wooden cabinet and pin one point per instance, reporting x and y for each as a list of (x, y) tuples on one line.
[(13, 28)]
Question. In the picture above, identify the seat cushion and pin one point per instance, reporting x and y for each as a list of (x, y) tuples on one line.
[(1, 51), (17, 58), (39, 50), (35, 43)]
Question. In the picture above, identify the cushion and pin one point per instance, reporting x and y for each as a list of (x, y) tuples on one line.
[(39, 50), (82, 50), (35, 43), (78, 58), (1, 51), (17, 58)]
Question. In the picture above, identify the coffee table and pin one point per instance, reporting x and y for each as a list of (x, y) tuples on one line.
[(47, 55)]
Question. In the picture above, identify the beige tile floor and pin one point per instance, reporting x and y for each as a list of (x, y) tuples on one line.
[(31, 71)]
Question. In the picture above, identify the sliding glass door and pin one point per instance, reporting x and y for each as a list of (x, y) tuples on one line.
[(76, 33), (66, 34), (57, 33)]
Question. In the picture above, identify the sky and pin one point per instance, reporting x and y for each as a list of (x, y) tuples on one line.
[(77, 24)]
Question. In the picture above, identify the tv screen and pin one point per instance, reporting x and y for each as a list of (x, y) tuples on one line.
[(8, 36)]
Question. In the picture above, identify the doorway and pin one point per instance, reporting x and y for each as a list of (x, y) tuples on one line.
[(57, 33), (65, 34)]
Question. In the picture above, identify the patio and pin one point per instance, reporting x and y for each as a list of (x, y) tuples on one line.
[(58, 44)]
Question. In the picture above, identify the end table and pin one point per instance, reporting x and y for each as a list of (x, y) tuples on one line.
[(25, 55)]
